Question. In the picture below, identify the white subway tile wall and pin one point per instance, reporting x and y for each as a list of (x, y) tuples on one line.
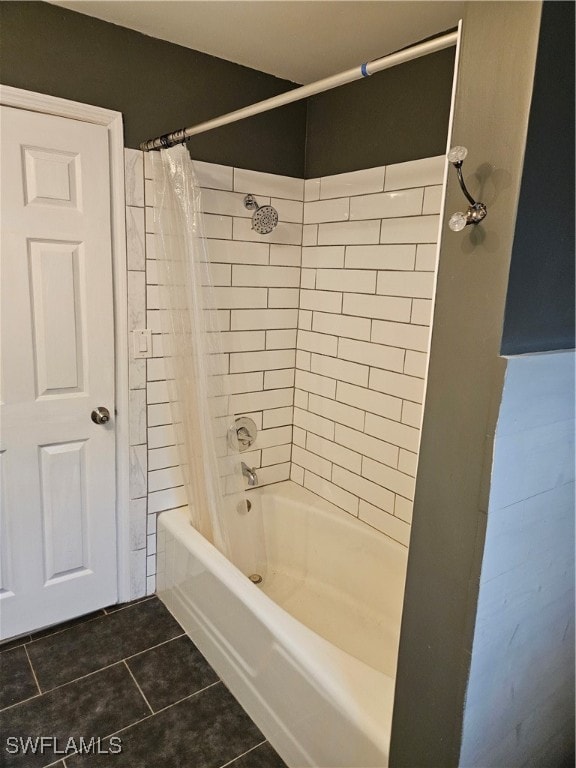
[(325, 331), (368, 273), (140, 582), (257, 284)]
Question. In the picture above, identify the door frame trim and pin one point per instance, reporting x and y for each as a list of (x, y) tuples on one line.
[(112, 121)]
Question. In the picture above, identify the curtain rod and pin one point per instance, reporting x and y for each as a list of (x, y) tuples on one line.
[(364, 70)]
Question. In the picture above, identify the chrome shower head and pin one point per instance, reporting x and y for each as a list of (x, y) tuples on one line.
[(264, 218)]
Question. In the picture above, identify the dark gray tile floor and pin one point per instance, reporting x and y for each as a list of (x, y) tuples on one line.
[(131, 680)]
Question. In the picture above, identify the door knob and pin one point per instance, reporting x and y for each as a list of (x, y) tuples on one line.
[(100, 415)]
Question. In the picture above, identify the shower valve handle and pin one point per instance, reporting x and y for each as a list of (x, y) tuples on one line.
[(242, 434), (244, 437)]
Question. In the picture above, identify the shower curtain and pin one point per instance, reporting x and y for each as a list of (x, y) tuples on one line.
[(196, 368)]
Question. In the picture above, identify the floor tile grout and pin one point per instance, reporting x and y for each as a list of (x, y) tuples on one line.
[(136, 683), (30, 637), (136, 722), (60, 761), (30, 698), (94, 672), (55, 764), (150, 648), (69, 682), (9, 640), (230, 762), (128, 605), (143, 719), (153, 714), (190, 695), (33, 671), (60, 631)]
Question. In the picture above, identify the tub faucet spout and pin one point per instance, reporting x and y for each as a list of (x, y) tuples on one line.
[(250, 474)]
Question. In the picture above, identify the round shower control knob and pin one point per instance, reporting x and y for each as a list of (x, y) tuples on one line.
[(100, 415)]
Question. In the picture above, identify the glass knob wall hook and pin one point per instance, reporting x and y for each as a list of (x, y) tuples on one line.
[(457, 154), (457, 221), (476, 211)]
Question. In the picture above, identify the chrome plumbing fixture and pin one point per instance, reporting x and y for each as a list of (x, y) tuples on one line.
[(250, 474), (264, 218), (242, 434), (476, 211)]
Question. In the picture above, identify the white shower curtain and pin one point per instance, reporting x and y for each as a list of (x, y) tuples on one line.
[(195, 365)]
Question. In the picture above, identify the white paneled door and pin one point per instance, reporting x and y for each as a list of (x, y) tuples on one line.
[(57, 466)]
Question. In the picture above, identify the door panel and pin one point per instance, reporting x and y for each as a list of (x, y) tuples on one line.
[(51, 177), (58, 521), (58, 316), (63, 503)]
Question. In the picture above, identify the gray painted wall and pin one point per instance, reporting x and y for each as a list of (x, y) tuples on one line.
[(396, 115), (158, 86), (464, 387), (540, 302)]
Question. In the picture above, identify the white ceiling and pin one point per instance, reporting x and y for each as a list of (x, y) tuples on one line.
[(299, 40)]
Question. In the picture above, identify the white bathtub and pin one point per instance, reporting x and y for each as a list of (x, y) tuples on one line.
[(311, 652)]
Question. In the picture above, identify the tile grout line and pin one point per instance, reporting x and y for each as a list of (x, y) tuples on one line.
[(130, 604), (146, 405), (96, 671), (24, 701), (33, 672), (363, 456), (65, 629), (231, 762), (18, 640), (357, 516), (138, 686), (190, 695), (317, 226), (154, 714), (298, 327), (88, 621), (56, 763)]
